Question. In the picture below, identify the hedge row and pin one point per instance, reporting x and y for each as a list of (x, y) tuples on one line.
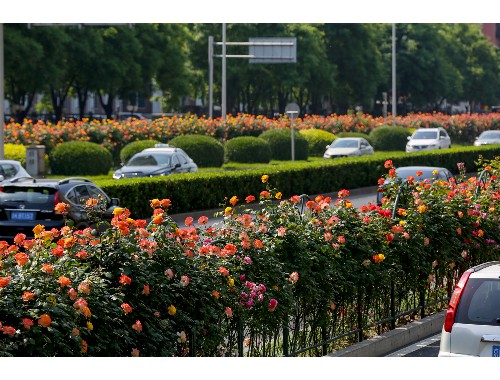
[(207, 190)]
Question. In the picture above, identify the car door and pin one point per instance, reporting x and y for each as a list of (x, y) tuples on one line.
[(176, 164), (365, 147), (444, 139)]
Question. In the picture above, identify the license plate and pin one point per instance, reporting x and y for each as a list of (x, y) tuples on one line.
[(22, 215), (495, 351)]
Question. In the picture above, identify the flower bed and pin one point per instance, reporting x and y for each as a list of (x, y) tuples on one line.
[(116, 134), (160, 289)]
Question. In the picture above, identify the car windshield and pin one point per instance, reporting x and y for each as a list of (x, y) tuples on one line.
[(406, 172), (480, 302), (425, 135), (490, 135), (344, 143), (150, 160)]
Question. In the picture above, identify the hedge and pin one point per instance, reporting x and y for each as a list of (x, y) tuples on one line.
[(207, 190)]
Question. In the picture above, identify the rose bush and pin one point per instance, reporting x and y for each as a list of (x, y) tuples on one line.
[(265, 273)]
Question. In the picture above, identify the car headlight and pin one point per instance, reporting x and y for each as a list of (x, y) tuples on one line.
[(117, 175)]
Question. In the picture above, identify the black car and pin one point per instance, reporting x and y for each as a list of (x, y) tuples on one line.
[(427, 172), (27, 202)]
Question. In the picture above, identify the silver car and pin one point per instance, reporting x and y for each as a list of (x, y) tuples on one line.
[(472, 322), (348, 146), (159, 161), (10, 170), (488, 137), (428, 139)]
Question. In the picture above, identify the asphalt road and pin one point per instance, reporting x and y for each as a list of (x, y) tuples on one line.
[(426, 348)]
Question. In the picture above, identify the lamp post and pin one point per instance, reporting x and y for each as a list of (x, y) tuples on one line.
[(2, 96), (394, 74)]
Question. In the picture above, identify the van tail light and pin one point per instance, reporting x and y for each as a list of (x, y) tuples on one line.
[(455, 299)]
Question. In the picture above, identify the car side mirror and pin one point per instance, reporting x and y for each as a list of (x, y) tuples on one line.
[(2, 177), (328, 146), (177, 166), (408, 138), (115, 201)]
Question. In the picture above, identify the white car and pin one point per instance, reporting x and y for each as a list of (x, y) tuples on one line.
[(472, 322), (488, 137), (10, 170), (348, 146), (428, 139)]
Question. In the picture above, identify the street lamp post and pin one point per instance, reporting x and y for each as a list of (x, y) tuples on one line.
[(2, 96), (394, 74)]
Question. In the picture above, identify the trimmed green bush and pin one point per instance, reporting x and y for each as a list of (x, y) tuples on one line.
[(135, 147), (80, 158), (247, 149), (15, 152), (389, 138), (317, 140), (281, 147), (206, 151)]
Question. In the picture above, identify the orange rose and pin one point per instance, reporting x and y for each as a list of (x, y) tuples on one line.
[(45, 320)]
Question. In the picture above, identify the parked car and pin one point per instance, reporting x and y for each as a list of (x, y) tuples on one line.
[(158, 161), (11, 169), (348, 146), (428, 139), (27, 202), (130, 115), (426, 173), (488, 137), (472, 322)]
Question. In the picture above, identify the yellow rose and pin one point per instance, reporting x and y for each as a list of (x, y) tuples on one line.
[(264, 178)]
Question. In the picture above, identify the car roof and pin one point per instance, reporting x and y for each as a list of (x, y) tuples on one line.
[(169, 149), (487, 270), (44, 182)]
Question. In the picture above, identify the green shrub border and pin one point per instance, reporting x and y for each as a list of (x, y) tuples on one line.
[(210, 190)]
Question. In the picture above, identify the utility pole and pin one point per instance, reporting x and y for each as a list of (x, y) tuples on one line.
[(394, 74), (223, 106), (2, 96)]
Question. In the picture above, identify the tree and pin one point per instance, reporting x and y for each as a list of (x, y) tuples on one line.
[(23, 55), (354, 50)]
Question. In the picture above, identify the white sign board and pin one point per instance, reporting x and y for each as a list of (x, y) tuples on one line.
[(273, 50)]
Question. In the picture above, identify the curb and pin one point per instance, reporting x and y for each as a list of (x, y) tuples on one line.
[(395, 339)]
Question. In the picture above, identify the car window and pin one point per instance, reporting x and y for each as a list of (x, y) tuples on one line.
[(490, 135), (425, 135), (175, 160), (96, 193), (79, 194), (480, 302), (34, 195), (183, 158), (8, 170), (147, 160), (442, 134), (341, 143)]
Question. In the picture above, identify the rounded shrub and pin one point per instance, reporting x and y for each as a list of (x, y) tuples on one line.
[(80, 158), (317, 140), (281, 147), (206, 151), (135, 147), (247, 149), (15, 152), (389, 138)]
